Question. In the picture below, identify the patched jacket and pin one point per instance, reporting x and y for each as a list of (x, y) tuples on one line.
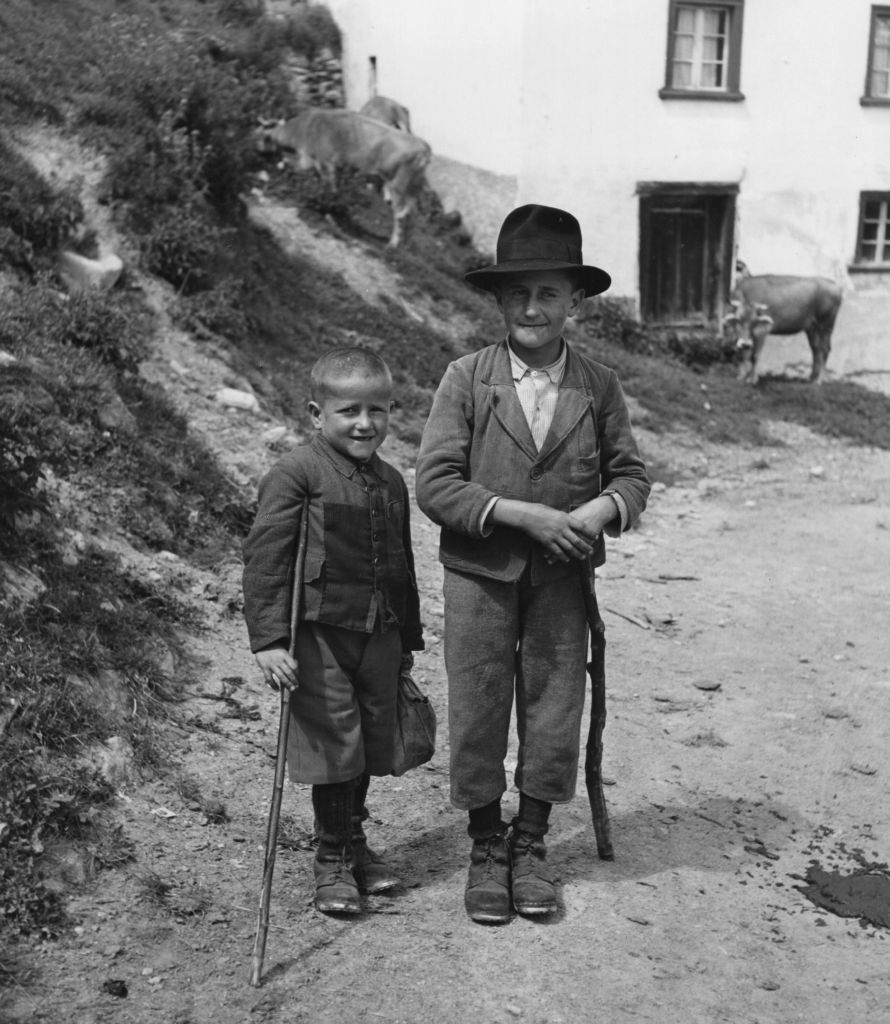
[(477, 445), (359, 563)]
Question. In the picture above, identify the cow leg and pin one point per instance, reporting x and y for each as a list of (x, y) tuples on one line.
[(758, 337), (398, 215), (820, 346)]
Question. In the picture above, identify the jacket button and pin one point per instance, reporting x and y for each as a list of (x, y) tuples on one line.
[(536, 474)]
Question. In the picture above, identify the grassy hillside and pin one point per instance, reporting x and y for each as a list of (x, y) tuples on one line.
[(168, 92)]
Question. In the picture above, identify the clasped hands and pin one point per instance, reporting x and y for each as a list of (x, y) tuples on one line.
[(564, 536)]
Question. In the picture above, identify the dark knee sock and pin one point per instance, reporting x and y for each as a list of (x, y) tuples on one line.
[(533, 817), (485, 821), (333, 804), (361, 794)]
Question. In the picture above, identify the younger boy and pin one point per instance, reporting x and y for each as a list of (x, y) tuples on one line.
[(526, 457), (360, 611)]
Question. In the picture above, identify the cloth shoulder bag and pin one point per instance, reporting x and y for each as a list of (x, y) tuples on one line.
[(415, 740)]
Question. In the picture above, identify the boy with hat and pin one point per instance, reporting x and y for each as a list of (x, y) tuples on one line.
[(360, 611), (526, 458)]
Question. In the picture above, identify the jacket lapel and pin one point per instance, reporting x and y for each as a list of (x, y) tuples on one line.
[(572, 405), (505, 403)]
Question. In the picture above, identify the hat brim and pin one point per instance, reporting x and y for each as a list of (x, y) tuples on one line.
[(594, 281)]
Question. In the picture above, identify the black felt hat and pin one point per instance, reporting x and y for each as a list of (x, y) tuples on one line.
[(539, 238)]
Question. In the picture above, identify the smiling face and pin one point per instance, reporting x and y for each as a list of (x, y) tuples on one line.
[(535, 306), (353, 414)]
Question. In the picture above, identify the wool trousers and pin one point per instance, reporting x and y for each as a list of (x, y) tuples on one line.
[(343, 712), (506, 642)]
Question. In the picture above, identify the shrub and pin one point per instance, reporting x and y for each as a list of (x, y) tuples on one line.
[(612, 319), (42, 217), (241, 12), (308, 30), (40, 319), (219, 309), (180, 247)]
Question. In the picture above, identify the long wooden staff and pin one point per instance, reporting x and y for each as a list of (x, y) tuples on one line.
[(593, 761), (262, 928)]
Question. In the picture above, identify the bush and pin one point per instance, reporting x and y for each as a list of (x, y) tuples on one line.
[(612, 320), (37, 214), (219, 310), (181, 247), (41, 319), (308, 30)]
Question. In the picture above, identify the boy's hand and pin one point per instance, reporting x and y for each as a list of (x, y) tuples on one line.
[(561, 534), (595, 514), (278, 667)]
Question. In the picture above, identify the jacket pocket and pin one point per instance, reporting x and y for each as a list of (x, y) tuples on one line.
[(585, 473)]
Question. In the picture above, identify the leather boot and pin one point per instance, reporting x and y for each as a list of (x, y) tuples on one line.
[(336, 891), (487, 896), (534, 894), (370, 871), (371, 874)]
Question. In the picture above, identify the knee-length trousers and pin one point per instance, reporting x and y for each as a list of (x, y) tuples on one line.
[(343, 712), (506, 640)]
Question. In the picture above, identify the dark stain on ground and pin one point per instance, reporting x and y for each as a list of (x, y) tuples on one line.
[(863, 893)]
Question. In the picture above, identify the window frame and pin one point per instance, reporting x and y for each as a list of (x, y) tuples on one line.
[(875, 265), (867, 99), (731, 93)]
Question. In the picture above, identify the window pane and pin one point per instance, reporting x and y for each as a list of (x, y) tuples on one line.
[(870, 231), (715, 22), (685, 20), (872, 209), (885, 255), (867, 252), (682, 76), (683, 47), (712, 76), (879, 80), (700, 47)]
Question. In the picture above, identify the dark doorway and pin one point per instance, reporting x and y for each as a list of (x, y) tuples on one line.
[(685, 251)]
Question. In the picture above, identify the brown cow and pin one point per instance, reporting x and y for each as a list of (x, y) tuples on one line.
[(387, 111), (780, 304), (325, 140)]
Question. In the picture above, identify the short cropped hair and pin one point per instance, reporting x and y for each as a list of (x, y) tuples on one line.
[(343, 363)]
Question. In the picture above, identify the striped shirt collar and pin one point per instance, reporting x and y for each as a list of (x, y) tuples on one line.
[(554, 371)]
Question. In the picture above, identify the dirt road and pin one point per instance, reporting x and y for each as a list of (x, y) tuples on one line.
[(749, 689)]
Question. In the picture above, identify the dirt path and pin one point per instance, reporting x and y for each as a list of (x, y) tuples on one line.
[(770, 583), (765, 577)]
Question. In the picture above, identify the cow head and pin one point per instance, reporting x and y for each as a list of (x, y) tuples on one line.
[(746, 322), (266, 136)]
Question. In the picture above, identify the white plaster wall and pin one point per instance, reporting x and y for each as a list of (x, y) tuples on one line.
[(454, 64), (566, 93), (800, 146)]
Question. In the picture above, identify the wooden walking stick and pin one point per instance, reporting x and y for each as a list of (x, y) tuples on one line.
[(593, 761), (262, 928)]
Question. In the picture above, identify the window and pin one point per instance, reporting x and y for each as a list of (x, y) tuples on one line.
[(873, 246), (877, 78), (704, 50)]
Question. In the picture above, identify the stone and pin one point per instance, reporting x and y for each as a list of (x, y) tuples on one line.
[(81, 274), (115, 417), (232, 398)]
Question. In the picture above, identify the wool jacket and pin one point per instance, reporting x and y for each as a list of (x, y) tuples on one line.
[(359, 566), (477, 445)]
